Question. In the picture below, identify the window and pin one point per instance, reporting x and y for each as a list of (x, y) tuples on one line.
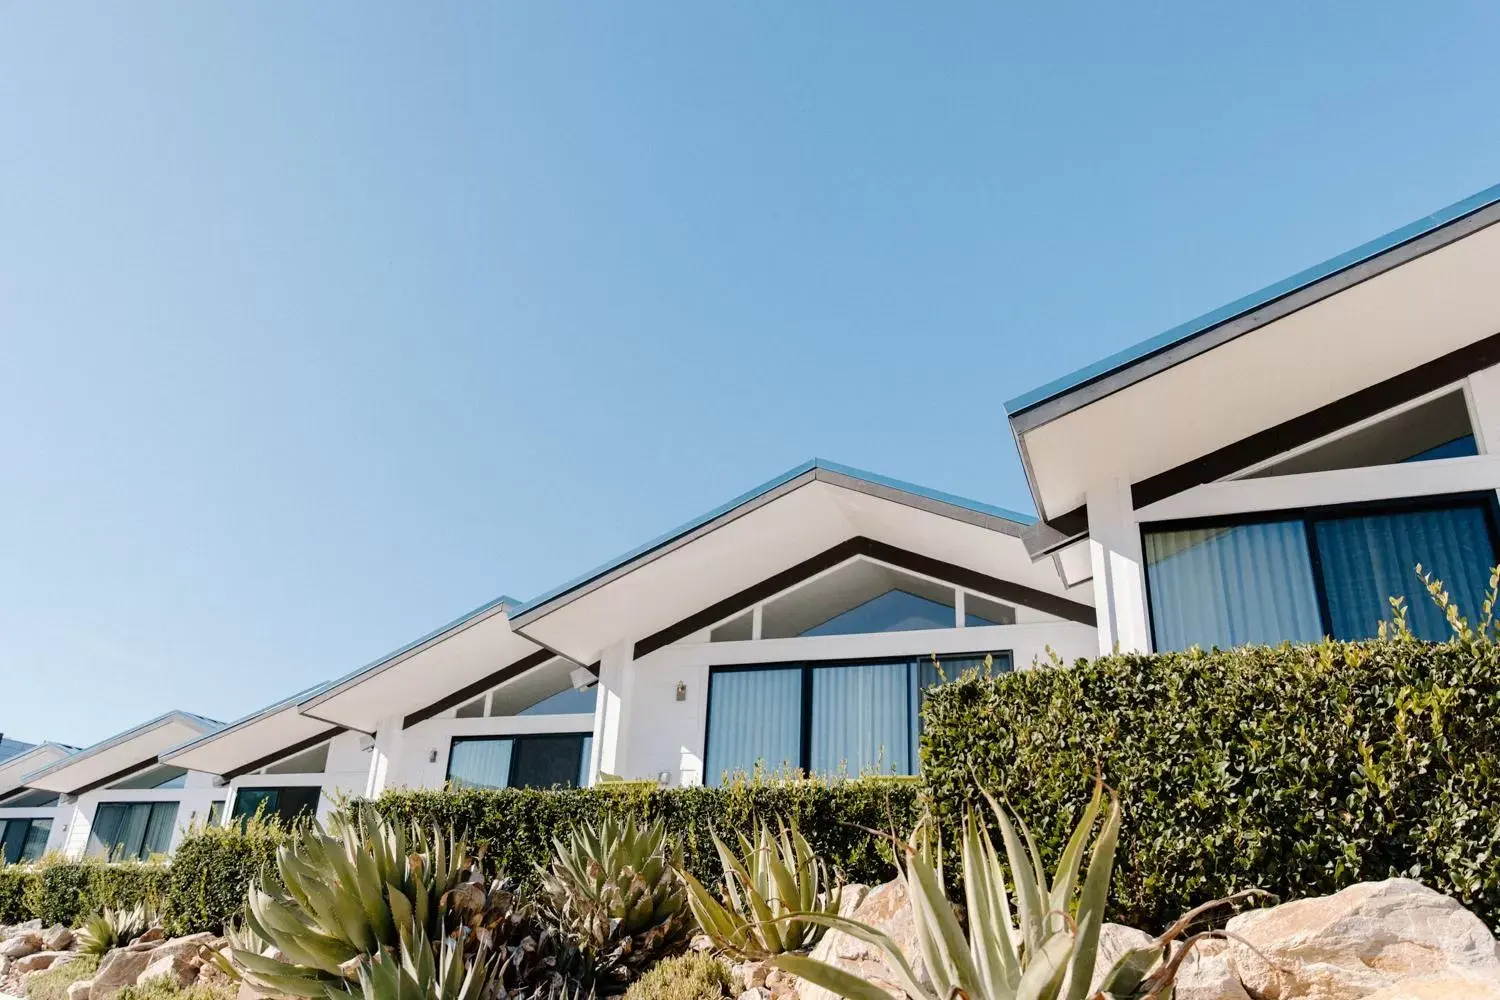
[(30, 798), (312, 761), (126, 831), (1438, 428), (215, 812), (825, 718), (287, 802), (1328, 571), (161, 776), (547, 760), (23, 840), (568, 702)]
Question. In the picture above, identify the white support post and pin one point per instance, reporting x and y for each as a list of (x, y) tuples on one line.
[(960, 613), (1483, 396), (1119, 570), (612, 710), (755, 621), (383, 756)]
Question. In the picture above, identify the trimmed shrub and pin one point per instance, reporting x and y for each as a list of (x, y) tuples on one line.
[(52, 984), (13, 882), (167, 988), (515, 827), (694, 976), (211, 871), (62, 892), (1296, 769)]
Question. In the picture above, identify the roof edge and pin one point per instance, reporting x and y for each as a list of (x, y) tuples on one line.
[(198, 722), (1193, 328), (232, 727)]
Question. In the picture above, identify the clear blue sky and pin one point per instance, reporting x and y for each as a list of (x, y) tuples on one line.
[(321, 324)]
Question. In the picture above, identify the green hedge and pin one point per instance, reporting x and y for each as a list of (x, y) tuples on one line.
[(13, 882), (515, 827), (211, 870), (1298, 769), (61, 892)]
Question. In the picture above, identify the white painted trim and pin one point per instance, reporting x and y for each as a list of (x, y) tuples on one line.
[(1470, 474)]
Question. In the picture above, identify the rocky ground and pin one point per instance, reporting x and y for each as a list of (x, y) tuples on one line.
[(29, 948)]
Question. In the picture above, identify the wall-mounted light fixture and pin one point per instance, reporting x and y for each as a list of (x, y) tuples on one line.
[(432, 756), (682, 690)]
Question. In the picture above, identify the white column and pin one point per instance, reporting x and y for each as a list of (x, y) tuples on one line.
[(1483, 397), (611, 710), (383, 756), (67, 816), (1119, 576)]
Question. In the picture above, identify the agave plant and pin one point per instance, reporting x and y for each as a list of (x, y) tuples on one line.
[(112, 928), (363, 888), (1042, 948), (615, 892), (775, 878), (420, 972)]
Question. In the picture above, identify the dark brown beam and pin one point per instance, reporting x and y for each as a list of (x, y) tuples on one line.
[(479, 687), (284, 752)]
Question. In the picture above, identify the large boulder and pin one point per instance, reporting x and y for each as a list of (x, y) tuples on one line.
[(57, 938), (1364, 939), (79, 989), (181, 968), (37, 961), (887, 908), (1443, 987), (120, 968), (22, 944)]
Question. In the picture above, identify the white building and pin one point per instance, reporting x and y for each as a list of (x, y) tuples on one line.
[(1274, 470)]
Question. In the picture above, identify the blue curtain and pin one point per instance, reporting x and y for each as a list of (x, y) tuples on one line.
[(35, 844), (754, 716), (481, 763), (861, 719), (1225, 587), (1368, 560), (105, 829)]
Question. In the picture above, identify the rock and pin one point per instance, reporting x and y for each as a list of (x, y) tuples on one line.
[(79, 990), (1206, 975), (1358, 941), (120, 968), (1114, 941), (751, 994), (21, 945), (248, 992), (36, 961), (209, 974), (701, 942), (177, 966), (886, 908), (57, 938), (152, 934), (192, 945), (4, 965), (1443, 987), (750, 974)]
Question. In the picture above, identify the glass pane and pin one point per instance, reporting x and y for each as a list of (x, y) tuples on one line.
[(1226, 587), (12, 839), (1368, 560), (862, 717), (158, 836), (893, 611), (587, 755), (480, 763), (104, 831), (131, 840), (248, 802), (297, 801), (215, 812), (754, 716), (546, 761), (569, 702), (36, 839)]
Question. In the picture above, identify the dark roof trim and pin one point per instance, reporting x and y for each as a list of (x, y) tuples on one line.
[(901, 558), (817, 470), (283, 753), (479, 687), (1325, 420), (1179, 344)]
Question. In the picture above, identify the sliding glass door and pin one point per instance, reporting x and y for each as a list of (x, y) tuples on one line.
[(1324, 571), (830, 718), (23, 840), (131, 831)]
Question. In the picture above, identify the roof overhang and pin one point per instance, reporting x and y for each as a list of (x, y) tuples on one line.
[(1397, 303), (456, 656), (14, 768), (273, 731), (792, 519), (118, 755)]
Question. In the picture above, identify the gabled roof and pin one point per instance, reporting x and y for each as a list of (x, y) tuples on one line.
[(277, 728), (1201, 327), (815, 511), (10, 748), (14, 768), (1402, 315), (116, 756)]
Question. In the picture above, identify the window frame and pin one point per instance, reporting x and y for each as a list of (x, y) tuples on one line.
[(807, 667), (510, 774), (144, 854), (1486, 501), (28, 823), (236, 815)]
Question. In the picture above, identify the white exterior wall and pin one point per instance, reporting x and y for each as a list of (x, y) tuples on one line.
[(1115, 528), (70, 830), (423, 762), (344, 774), (660, 733)]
